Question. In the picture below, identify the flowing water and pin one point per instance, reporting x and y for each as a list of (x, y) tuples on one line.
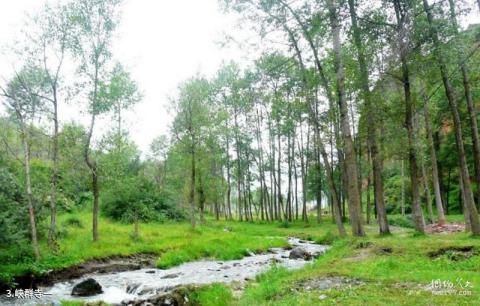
[(144, 283)]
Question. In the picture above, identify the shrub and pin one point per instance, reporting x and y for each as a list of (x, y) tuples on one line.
[(137, 197), (402, 221), (73, 222)]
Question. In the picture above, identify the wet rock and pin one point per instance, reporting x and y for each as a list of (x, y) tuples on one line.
[(131, 288), (173, 275), (150, 271), (88, 287), (147, 290), (177, 297), (300, 253)]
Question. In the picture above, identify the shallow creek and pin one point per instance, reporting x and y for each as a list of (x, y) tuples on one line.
[(143, 283)]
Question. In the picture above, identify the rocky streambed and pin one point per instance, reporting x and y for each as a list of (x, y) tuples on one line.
[(144, 284)]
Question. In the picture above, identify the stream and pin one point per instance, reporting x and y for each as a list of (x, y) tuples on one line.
[(141, 284)]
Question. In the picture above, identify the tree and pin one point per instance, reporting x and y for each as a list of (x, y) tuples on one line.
[(190, 123), (51, 44), (377, 163), (23, 102), (94, 22), (402, 17)]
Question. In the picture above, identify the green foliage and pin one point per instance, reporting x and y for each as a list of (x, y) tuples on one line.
[(137, 197), (13, 211), (328, 238), (402, 221), (73, 222)]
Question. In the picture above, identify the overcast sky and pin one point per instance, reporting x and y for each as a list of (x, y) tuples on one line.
[(162, 42)]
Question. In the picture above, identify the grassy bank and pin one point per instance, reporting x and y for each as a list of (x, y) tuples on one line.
[(393, 270)]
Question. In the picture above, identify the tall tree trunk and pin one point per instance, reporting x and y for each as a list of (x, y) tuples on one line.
[(402, 201), (296, 188), (52, 232), (201, 198), (469, 201), (28, 188), (433, 159), (229, 183), (466, 214), (377, 162), (136, 227), (192, 188), (350, 155), (417, 214), (92, 165), (369, 209), (279, 172), (239, 171), (427, 193)]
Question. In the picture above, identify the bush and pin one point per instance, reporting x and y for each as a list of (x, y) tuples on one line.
[(402, 221), (328, 238), (137, 196), (73, 222), (13, 211)]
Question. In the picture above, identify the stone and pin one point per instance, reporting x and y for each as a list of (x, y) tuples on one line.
[(87, 287), (299, 253), (173, 275)]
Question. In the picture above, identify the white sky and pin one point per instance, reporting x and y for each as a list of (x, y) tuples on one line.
[(162, 42)]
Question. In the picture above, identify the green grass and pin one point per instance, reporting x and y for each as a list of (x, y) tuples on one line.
[(213, 295), (389, 279)]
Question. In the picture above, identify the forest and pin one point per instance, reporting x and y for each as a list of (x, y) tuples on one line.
[(339, 166)]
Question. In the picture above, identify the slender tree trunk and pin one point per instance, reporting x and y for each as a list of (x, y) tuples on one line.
[(369, 210), (52, 232), (402, 203), (433, 159), (136, 228), (28, 188), (296, 189), (229, 183), (417, 214), (192, 189), (201, 198), (279, 172), (469, 200), (466, 214), (427, 194), (350, 155), (377, 162), (92, 165)]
